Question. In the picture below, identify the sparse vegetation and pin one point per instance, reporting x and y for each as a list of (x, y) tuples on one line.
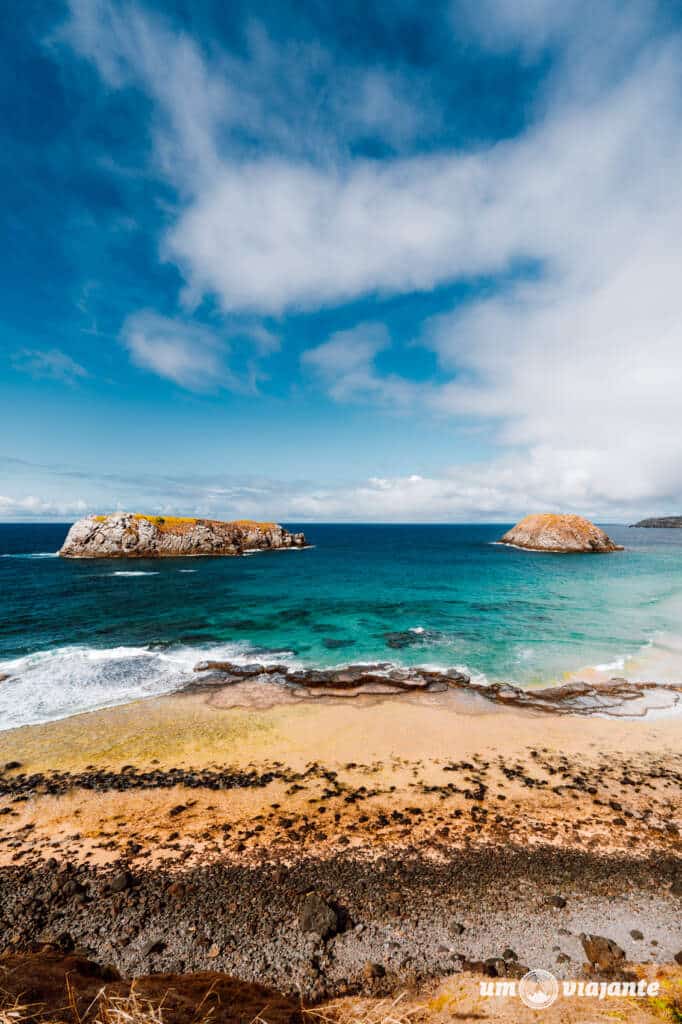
[(668, 1005), (176, 524)]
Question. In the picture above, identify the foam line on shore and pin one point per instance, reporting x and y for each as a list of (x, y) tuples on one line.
[(57, 683), (60, 682)]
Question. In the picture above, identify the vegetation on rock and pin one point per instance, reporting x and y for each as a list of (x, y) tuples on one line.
[(550, 531)]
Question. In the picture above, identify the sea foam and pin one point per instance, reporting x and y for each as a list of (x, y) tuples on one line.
[(131, 572), (64, 681)]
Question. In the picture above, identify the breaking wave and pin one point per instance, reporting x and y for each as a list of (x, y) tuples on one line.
[(64, 681), (57, 683)]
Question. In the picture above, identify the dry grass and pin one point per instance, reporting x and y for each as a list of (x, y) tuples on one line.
[(445, 1006), (668, 1004), (394, 1010), (111, 1008)]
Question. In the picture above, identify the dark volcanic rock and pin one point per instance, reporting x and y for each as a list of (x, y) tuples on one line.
[(123, 880), (252, 914), (382, 678), (401, 639), (318, 916), (153, 946)]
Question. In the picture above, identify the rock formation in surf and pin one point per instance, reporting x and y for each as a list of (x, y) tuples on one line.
[(382, 679), (131, 535), (565, 533)]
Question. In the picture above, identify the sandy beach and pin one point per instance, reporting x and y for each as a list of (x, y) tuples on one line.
[(433, 834)]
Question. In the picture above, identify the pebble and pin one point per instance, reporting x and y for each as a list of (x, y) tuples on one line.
[(372, 971), (153, 946), (123, 880), (318, 917)]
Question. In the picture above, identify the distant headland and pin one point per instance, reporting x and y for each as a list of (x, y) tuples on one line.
[(133, 535), (560, 533), (664, 522)]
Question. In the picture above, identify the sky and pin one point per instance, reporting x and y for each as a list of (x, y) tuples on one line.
[(304, 261)]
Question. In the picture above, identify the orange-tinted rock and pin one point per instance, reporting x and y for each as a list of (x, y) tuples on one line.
[(566, 533), (133, 535)]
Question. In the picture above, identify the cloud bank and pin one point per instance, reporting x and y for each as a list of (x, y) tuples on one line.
[(572, 356)]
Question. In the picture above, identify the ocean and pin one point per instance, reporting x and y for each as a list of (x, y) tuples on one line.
[(80, 635)]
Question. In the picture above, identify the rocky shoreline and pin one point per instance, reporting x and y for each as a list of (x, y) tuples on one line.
[(324, 928), (347, 849), (323, 881), (615, 697)]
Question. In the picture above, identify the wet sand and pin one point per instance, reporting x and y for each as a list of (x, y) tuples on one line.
[(251, 723)]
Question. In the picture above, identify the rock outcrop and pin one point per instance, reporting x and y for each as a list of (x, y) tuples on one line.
[(614, 697), (662, 523), (602, 953), (131, 535), (563, 533)]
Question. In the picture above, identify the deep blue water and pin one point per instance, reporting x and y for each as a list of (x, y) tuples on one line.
[(81, 634)]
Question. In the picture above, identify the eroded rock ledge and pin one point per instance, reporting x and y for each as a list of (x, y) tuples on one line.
[(613, 697), (561, 533), (132, 535)]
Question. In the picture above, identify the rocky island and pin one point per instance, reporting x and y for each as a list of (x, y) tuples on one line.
[(662, 522), (561, 533), (133, 535)]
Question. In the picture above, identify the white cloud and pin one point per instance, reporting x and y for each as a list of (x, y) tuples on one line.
[(528, 24), (290, 97), (500, 490), (579, 365), (190, 355), (194, 356), (277, 234), (15, 509), (285, 229), (345, 366), (51, 363)]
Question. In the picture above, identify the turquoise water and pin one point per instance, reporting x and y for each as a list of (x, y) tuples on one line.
[(81, 634)]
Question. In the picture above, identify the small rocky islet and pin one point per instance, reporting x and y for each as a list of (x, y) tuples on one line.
[(135, 535), (561, 533)]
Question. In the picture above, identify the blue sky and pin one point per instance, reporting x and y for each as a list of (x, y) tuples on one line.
[(310, 261)]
